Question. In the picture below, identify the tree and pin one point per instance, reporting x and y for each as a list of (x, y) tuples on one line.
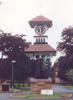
[(0, 2), (70, 75), (65, 63), (61, 63), (13, 47), (22, 69), (66, 46), (1, 31), (4, 69)]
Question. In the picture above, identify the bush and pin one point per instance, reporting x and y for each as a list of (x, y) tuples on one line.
[(70, 75)]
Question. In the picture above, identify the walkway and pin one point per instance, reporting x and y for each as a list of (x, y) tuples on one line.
[(61, 89)]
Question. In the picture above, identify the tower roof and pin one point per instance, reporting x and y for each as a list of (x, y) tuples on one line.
[(40, 20), (40, 48)]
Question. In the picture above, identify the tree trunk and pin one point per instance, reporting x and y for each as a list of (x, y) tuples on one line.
[(2, 55), (18, 84), (23, 83)]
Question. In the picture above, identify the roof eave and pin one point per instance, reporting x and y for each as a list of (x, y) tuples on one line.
[(47, 23), (40, 51)]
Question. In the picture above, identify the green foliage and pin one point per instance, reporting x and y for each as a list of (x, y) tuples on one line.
[(62, 64), (1, 32), (70, 75), (44, 63), (26, 86), (0, 3), (13, 46), (66, 47), (5, 69), (70, 86), (15, 90)]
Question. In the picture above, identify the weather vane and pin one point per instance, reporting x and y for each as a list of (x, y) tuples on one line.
[(40, 7)]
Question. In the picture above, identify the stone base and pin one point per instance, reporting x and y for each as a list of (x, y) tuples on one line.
[(36, 85)]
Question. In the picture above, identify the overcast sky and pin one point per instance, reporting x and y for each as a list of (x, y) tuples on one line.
[(15, 14)]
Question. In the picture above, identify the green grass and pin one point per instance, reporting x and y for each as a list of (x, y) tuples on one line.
[(27, 87), (70, 86), (21, 86), (40, 96), (15, 90)]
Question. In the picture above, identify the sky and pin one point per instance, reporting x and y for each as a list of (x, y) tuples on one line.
[(15, 14)]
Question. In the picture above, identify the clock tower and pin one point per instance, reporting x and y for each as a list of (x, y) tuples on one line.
[(40, 54)]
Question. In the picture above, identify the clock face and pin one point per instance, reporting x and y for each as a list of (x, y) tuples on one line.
[(40, 29)]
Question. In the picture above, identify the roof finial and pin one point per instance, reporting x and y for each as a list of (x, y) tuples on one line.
[(40, 9)]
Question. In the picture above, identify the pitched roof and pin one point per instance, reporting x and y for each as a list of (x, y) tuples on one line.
[(40, 18), (40, 48)]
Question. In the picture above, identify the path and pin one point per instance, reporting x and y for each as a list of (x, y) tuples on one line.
[(61, 89)]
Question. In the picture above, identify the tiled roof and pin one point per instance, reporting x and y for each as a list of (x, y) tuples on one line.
[(39, 18), (40, 48)]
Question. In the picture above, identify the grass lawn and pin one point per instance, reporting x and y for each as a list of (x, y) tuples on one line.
[(21, 86), (41, 96), (70, 86), (15, 90)]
